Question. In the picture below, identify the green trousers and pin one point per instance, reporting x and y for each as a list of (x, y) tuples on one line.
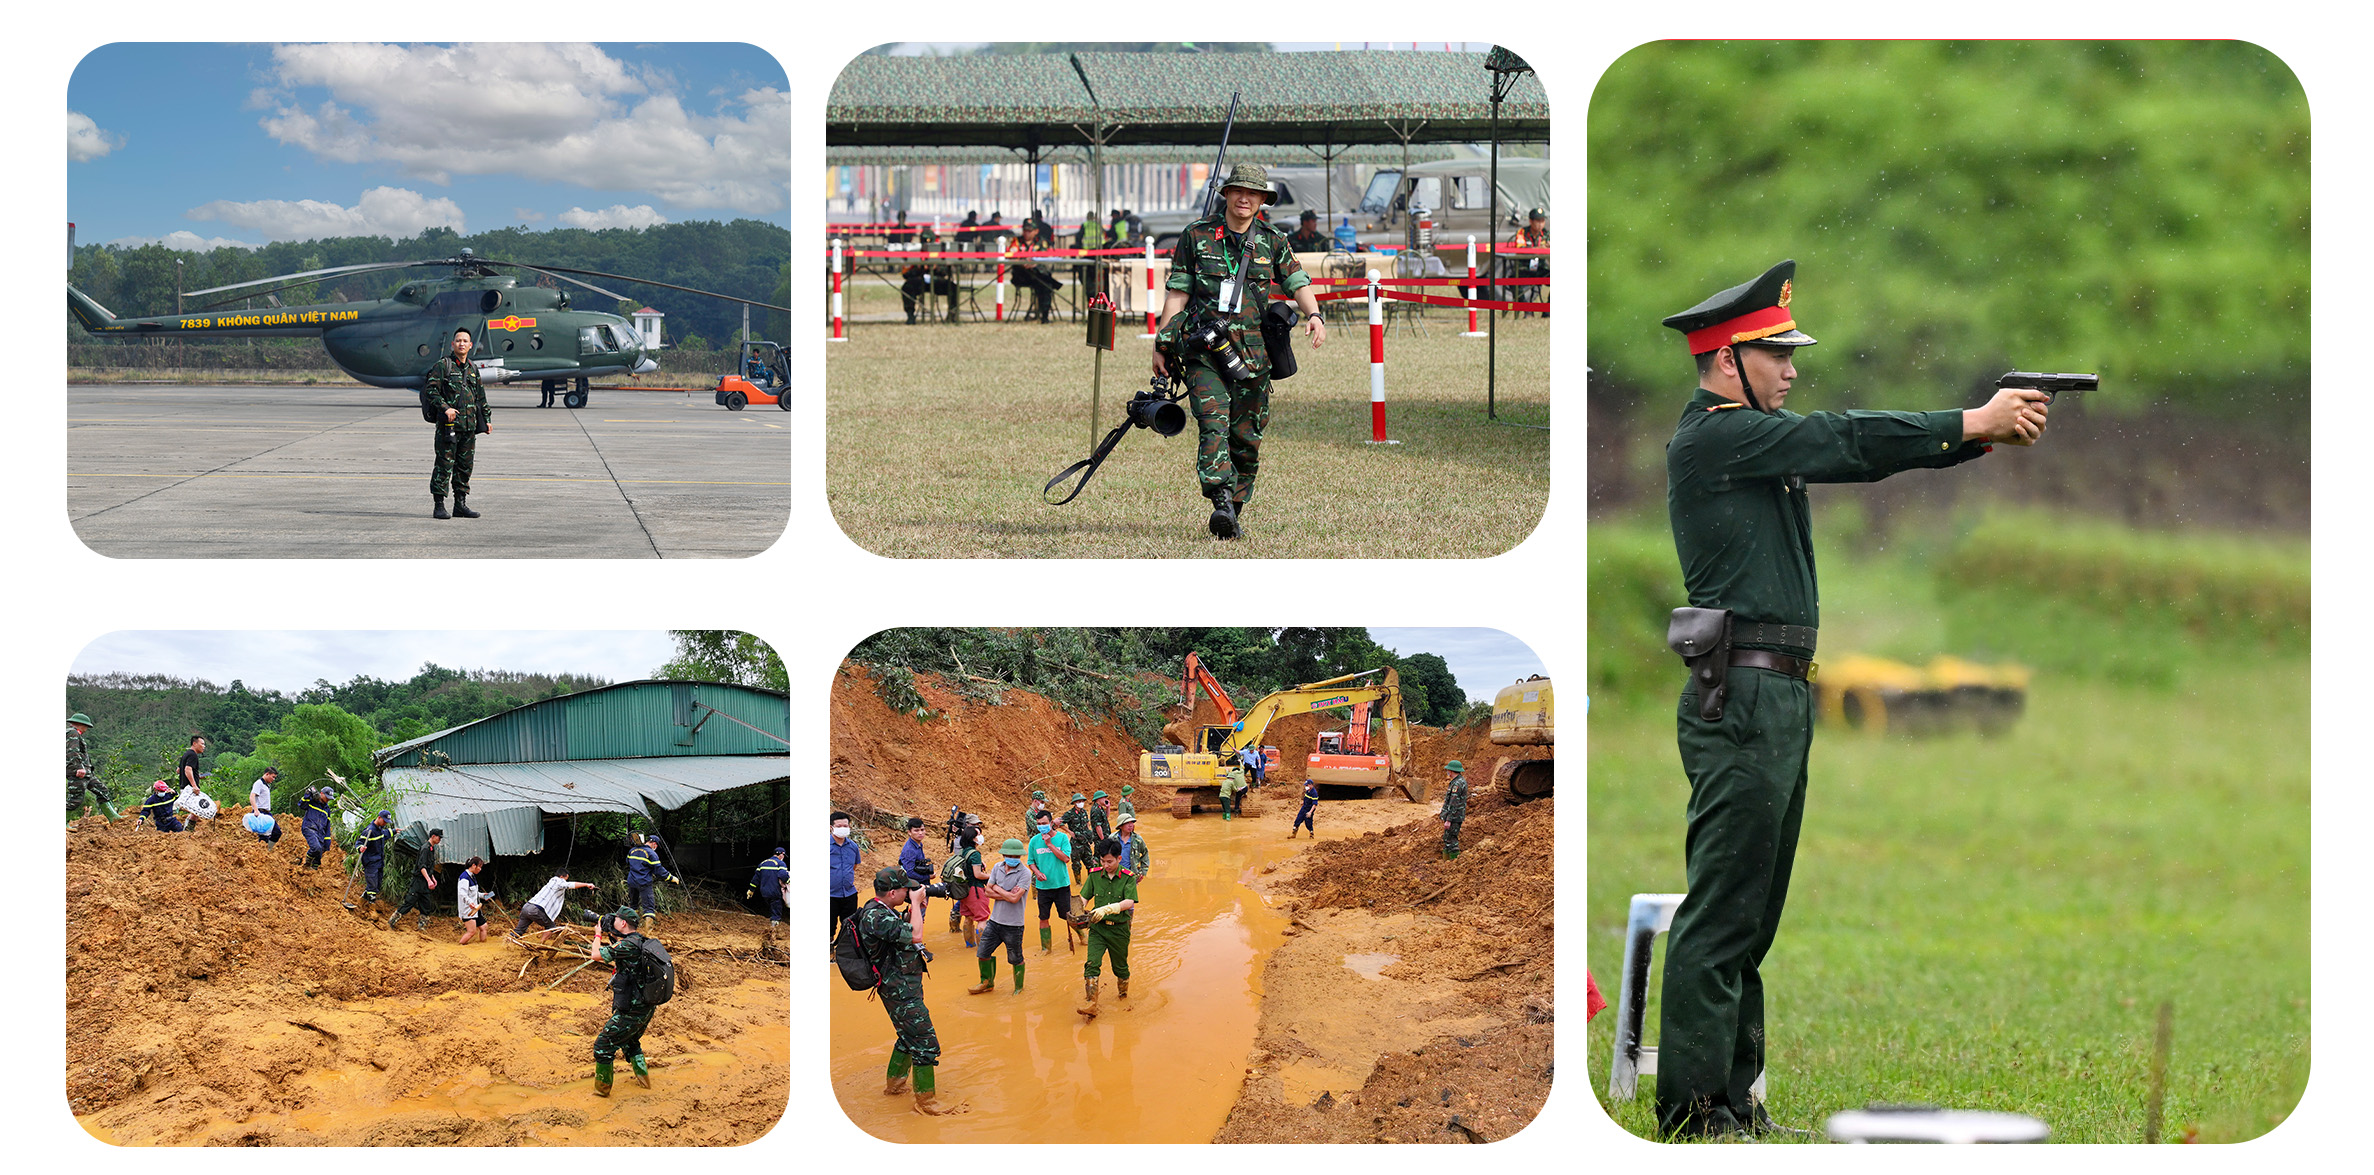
[(1747, 798), (1108, 938)]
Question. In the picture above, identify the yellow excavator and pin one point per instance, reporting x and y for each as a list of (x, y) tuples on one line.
[(1524, 715), (1194, 770)]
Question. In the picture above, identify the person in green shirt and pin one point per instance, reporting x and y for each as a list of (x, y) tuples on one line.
[(1737, 470), (1108, 898)]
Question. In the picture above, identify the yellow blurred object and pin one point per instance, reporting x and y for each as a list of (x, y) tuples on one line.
[(1876, 694), (1524, 715)]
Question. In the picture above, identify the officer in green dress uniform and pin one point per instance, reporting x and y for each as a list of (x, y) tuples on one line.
[(1223, 270), (1737, 468)]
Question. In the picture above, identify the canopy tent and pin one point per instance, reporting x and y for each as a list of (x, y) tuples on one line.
[(499, 808)]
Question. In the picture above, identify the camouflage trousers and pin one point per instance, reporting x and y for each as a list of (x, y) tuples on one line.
[(1228, 425), (623, 1034), (456, 452), (902, 998), (1108, 938), (86, 792), (1451, 835)]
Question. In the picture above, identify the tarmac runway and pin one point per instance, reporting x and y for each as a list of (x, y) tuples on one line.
[(342, 472)]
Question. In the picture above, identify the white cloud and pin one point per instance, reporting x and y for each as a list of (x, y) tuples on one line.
[(526, 215), (184, 240), (567, 112), (85, 140), (382, 212), (615, 216)]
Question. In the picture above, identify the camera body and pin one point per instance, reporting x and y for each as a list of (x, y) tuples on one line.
[(1211, 335)]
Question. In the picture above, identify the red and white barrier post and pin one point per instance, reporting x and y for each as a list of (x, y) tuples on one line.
[(1151, 303), (1376, 364), (1001, 279), (840, 334), (1472, 332)]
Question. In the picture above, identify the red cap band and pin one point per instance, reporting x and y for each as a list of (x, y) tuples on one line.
[(1748, 327)]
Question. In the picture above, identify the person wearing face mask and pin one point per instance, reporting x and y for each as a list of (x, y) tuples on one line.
[(1075, 822), (966, 863), (916, 860), (844, 875), (1008, 887), (1050, 875)]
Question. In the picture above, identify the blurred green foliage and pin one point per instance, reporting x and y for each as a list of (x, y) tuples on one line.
[(1962, 209)]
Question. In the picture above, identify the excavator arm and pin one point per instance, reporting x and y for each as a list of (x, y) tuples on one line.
[(1334, 693), (1194, 675)]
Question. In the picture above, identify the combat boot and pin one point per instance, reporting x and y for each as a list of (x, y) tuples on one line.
[(601, 1079), (461, 507), (642, 1070), (439, 512), (1089, 1007), (1223, 520)]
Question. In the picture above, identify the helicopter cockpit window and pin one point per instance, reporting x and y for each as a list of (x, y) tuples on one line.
[(459, 303), (609, 341), (628, 337), (591, 340)]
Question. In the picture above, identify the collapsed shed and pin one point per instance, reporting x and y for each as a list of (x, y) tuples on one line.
[(634, 747)]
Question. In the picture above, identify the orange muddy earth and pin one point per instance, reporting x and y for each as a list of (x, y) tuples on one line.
[(218, 995)]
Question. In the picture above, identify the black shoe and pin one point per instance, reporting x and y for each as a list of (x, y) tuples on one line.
[(1761, 1124), (439, 512), (1223, 521), (461, 507)]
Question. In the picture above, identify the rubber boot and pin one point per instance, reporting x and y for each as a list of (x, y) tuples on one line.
[(601, 1079), (1046, 940), (461, 507), (1017, 977), (895, 1086), (1453, 855), (439, 512), (927, 1096), (988, 979), (642, 1070), (1088, 1005), (1223, 520)]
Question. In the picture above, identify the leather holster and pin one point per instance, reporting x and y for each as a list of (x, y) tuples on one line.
[(1701, 637)]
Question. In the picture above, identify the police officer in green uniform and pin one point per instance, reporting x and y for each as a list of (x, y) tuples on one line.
[(1222, 272), (1454, 811), (1737, 469), (895, 944), (454, 387), (83, 788)]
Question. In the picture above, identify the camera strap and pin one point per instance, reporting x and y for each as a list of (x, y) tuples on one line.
[(1087, 468)]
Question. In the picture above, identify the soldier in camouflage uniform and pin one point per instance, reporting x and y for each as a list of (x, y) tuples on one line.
[(629, 1015), (1075, 821), (453, 386), (1128, 809), (1100, 815), (1134, 856), (895, 945), (83, 788), (1454, 811), (1225, 266)]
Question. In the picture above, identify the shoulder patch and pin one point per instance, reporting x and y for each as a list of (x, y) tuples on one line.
[(1720, 407)]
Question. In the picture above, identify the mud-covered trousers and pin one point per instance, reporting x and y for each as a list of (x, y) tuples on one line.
[(623, 1034), (902, 999), (1747, 798), (1228, 426)]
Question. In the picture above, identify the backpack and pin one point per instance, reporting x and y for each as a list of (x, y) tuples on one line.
[(858, 969), (953, 873), (659, 975), (431, 412)]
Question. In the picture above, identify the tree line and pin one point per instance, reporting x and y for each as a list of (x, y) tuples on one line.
[(744, 258)]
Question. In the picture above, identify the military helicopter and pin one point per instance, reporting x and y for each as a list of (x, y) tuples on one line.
[(523, 332)]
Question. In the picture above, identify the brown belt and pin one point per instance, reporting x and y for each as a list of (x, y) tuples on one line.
[(1781, 663)]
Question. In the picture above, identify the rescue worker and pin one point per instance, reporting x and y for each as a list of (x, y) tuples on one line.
[(259, 797), (424, 883), (1134, 856), (1075, 822), (970, 871), (1108, 897), (643, 875), (314, 808), (1454, 809), (371, 845), (1051, 879), (1232, 790), (470, 902), (1008, 887), (83, 788), (159, 807), (913, 858), (1128, 809), (896, 944), (1100, 817), (1307, 815), (1031, 814), (629, 1015), (767, 882), (545, 910)]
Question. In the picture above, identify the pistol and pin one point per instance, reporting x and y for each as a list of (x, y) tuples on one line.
[(2052, 384)]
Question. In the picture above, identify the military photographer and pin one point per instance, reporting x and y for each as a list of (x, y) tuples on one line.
[(1217, 335)]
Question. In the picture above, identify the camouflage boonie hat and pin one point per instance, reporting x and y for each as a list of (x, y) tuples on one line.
[(81, 719), (889, 877), (1038, 795), (1252, 176)]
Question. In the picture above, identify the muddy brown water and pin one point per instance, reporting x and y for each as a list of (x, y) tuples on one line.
[(1164, 1065)]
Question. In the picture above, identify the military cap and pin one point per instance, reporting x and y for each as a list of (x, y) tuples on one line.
[(1077, 797), (1012, 848), (889, 877), (1751, 312), (1127, 819), (81, 719), (1537, 214), (779, 851), (1252, 176), (1038, 795), (1098, 796), (1128, 789), (1310, 214), (384, 814), (1455, 765), (626, 914)]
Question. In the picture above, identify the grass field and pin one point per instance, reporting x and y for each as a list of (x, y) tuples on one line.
[(940, 437), (1992, 924)]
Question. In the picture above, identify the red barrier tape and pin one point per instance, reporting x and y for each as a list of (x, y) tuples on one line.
[(1429, 299)]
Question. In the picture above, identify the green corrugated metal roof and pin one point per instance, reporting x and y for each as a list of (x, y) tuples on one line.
[(635, 719)]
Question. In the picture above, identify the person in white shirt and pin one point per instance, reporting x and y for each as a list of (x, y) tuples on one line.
[(259, 795), (545, 909), (472, 902)]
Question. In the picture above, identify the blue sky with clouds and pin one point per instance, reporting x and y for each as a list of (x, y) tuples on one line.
[(1483, 659), (202, 144), (292, 661)]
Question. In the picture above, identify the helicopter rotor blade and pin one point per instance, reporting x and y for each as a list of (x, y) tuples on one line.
[(557, 270), (310, 274)]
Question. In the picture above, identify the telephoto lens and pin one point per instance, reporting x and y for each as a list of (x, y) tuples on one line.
[(1165, 417)]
